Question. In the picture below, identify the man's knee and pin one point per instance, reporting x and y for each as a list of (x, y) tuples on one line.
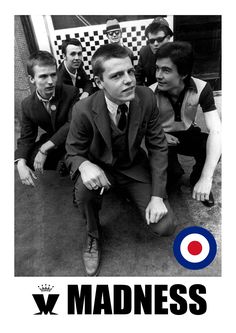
[(167, 225), (163, 227), (82, 194)]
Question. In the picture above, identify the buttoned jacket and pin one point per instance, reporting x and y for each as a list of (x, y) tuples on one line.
[(35, 116), (89, 138)]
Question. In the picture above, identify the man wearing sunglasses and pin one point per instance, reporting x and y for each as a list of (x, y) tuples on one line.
[(157, 33), (114, 35)]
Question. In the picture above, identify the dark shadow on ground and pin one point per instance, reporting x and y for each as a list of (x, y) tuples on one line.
[(49, 232)]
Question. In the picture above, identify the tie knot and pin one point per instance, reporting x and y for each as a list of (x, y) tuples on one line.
[(123, 108)]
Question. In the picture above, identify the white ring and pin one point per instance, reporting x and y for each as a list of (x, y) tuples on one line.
[(195, 258)]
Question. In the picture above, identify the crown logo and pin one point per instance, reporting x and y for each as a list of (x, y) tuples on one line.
[(45, 287)]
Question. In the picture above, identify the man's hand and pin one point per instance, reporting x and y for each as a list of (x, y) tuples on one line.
[(39, 161), (155, 210), (25, 173), (202, 189), (171, 139), (93, 176)]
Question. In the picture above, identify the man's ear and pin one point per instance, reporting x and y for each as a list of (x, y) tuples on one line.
[(31, 78), (98, 82), (64, 56)]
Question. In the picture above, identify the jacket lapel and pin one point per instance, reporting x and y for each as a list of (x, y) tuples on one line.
[(101, 118), (39, 110), (134, 120), (54, 106)]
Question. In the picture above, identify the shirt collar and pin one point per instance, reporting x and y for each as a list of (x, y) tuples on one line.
[(189, 85), (44, 99), (112, 107), (71, 74)]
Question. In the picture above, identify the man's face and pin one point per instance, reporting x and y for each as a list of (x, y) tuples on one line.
[(157, 39), (114, 36), (118, 81), (167, 75), (45, 78), (73, 57)]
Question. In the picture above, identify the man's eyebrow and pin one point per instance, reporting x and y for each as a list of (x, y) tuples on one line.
[(122, 71), (163, 67), (46, 74), (115, 73)]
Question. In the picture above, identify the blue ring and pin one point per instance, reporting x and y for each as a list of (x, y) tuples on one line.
[(194, 230)]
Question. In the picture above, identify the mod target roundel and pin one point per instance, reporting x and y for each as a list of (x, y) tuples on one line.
[(195, 247)]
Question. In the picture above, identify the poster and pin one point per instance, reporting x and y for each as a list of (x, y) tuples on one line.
[(18, 304)]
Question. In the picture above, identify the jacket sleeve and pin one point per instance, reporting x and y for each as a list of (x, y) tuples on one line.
[(29, 132), (59, 137), (78, 140), (157, 148)]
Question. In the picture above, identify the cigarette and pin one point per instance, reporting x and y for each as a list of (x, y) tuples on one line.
[(102, 190)]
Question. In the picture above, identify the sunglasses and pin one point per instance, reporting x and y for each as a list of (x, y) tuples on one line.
[(158, 40), (111, 33)]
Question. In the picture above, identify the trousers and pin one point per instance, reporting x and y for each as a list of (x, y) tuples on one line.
[(90, 203), (192, 143)]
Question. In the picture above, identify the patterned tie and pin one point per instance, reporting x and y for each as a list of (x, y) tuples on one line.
[(122, 109)]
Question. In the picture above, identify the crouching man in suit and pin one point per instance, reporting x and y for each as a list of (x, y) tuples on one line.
[(49, 108), (104, 149)]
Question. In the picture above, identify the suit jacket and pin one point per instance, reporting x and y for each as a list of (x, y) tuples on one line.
[(145, 71), (89, 138), (34, 115), (82, 79)]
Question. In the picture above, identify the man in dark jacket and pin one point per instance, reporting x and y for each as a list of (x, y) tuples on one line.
[(157, 33), (104, 149), (71, 70), (48, 108)]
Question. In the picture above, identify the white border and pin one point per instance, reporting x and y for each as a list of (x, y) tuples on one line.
[(16, 302)]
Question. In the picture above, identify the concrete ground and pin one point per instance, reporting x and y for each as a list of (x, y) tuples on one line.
[(49, 233)]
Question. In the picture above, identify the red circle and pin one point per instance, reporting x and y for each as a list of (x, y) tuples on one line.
[(195, 248)]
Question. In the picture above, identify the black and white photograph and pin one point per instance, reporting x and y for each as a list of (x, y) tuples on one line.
[(102, 191), (117, 166)]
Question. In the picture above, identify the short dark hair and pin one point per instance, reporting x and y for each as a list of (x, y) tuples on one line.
[(180, 53), (69, 41), (41, 58), (155, 27), (106, 52)]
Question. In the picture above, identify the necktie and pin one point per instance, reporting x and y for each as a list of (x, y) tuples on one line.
[(123, 109), (47, 106)]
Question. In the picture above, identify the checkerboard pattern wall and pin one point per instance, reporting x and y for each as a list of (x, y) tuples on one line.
[(91, 37)]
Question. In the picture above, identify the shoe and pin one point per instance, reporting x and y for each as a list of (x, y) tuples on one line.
[(210, 202), (91, 256), (62, 169)]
